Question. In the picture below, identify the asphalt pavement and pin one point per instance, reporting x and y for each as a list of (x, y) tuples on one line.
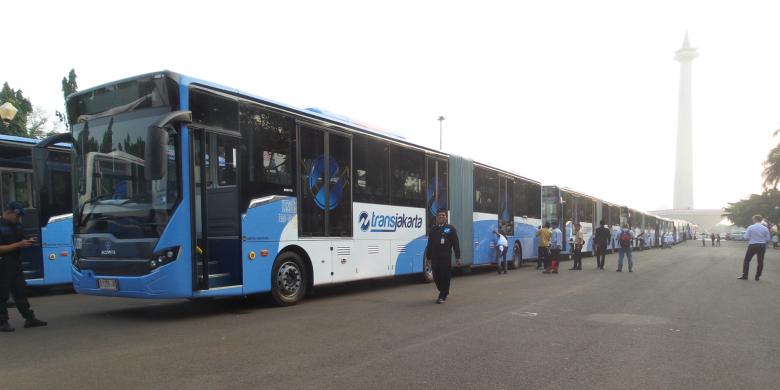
[(680, 321)]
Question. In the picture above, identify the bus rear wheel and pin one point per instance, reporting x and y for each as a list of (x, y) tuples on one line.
[(427, 275), (288, 279), (517, 256)]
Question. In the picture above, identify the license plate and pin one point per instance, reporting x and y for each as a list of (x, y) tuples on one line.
[(108, 284)]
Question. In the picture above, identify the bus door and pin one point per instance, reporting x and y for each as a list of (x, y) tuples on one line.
[(217, 218), (506, 217)]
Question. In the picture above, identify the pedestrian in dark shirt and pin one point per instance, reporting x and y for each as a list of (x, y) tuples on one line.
[(442, 241), (603, 235), (11, 275)]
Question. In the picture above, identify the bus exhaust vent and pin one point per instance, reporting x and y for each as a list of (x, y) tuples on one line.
[(373, 250), (342, 251), (401, 248)]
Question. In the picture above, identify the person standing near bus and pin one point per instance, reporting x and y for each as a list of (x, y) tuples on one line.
[(442, 241), (544, 235), (758, 237), (578, 241), (601, 239), (625, 238), (556, 244), (11, 275), (717, 239), (501, 249)]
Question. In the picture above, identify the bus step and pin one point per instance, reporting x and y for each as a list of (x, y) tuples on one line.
[(219, 280), (33, 274)]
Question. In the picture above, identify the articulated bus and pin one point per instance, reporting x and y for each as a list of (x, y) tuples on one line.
[(47, 200), (186, 188)]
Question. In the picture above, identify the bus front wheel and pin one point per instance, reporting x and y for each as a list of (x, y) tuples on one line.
[(288, 279)]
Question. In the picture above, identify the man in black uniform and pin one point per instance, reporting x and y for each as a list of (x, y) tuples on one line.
[(11, 276), (441, 242), (603, 235)]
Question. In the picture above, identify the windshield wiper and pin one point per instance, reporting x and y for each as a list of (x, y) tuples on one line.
[(82, 217), (114, 111), (134, 198)]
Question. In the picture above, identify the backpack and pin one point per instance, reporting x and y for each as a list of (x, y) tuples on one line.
[(625, 239)]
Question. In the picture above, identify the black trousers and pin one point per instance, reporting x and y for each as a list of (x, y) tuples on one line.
[(577, 259), (12, 284), (442, 273), (601, 255), (754, 249), (544, 257)]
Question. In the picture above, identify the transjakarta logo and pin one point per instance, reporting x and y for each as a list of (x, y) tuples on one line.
[(388, 223)]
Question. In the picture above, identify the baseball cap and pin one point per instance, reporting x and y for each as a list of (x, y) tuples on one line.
[(16, 207)]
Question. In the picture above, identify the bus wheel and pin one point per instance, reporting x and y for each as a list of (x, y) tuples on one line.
[(517, 255), (288, 279), (427, 275)]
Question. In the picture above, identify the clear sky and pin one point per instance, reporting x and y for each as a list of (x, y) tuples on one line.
[(576, 93)]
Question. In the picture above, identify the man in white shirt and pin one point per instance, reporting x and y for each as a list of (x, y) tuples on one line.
[(757, 236), (501, 248)]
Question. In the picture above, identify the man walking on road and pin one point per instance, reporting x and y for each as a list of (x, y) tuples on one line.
[(441, 242), (544, 235), (625, 238), (11, 275), (556, 244), (601, 240), (758, 237)]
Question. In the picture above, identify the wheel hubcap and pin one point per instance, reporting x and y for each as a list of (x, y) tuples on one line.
[(288, 279)]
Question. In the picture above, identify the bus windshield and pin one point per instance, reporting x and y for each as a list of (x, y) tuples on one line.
[(113, 194)]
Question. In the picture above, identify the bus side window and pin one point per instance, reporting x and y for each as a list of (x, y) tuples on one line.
[(227, 150)]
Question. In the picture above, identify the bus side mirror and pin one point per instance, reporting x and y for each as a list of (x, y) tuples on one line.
[(156, 147), (155, 153), (40, 170), (40, 157)]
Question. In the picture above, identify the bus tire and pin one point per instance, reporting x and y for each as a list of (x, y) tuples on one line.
[(289, 279), (427, 274), (517, 255)]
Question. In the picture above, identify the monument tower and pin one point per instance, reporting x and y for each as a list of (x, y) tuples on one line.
[(683, 170), (706, 219)]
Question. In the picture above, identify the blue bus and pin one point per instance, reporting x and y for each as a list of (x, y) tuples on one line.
[(567, 207), (47, 197), (188, 189)]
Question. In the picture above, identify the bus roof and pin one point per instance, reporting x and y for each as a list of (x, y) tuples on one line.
[(310, 113), (17, 139), (26, 141)]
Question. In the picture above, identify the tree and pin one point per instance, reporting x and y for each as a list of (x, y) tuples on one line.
[(37, 123), (69, 86), (18, 125), (772, 166), (766, 204)]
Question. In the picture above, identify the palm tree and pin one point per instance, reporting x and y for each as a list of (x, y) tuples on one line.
[(772, 166)]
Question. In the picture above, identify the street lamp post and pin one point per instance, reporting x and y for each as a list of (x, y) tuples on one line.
[(441, 119)]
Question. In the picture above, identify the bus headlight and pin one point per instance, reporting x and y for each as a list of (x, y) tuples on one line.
[(163, 257)]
